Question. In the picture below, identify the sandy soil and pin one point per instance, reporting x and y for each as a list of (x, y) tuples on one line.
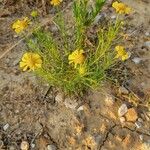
[(31, 111)]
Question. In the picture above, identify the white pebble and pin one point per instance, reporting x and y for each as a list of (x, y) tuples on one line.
[(80, 108), (147, 44), (5, 127), (122, 110), (113, 17), (147, 34), (51, 147), (136, 60), (33, 145)]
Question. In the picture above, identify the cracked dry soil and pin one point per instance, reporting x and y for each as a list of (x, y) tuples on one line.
[(29, 110)]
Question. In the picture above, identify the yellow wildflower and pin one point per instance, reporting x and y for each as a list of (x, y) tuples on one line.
[(82, 70), (121, 8), (56, 2), (121, 53), (30, 61), (34, 13), (20, 25), (76, 57)]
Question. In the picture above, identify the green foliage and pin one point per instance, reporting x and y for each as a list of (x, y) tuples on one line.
[(54, 51), (84, 16)]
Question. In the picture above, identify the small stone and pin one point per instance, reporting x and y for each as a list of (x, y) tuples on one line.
[(122, 110), (5, 127), (109, 100), (24, 145), (147, 44), (122, 119), (59, 97), (81, 108), (123, 90), (15, 36), (131, 115), (16, 111), (33, 145), (141, 137), (136, 60), (51, 147), (138, 124), (147, 34), (140, 120), (113, 17)]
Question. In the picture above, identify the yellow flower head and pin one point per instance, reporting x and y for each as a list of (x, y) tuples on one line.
[(56, 2), (121, 8), (82, 70), (34, 13), (121, 53), (20, 25), (76, 57), (30, 61)]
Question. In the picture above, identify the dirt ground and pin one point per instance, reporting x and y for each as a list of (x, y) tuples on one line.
[(39, 116)]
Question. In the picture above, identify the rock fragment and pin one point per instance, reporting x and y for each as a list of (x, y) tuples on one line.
[(33, 145), (147, 34), (24, 145), (51, 147), (81, 108), (122, 110), (123, 90), (5, 127), (136, 60), (147, 44), (131, 115)]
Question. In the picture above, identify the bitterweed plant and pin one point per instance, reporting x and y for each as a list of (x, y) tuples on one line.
[(71, 59)]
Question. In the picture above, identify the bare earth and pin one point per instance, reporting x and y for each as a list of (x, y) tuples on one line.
[(31, 111)]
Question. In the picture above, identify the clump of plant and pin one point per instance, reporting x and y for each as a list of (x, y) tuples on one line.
[(65, 60)]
